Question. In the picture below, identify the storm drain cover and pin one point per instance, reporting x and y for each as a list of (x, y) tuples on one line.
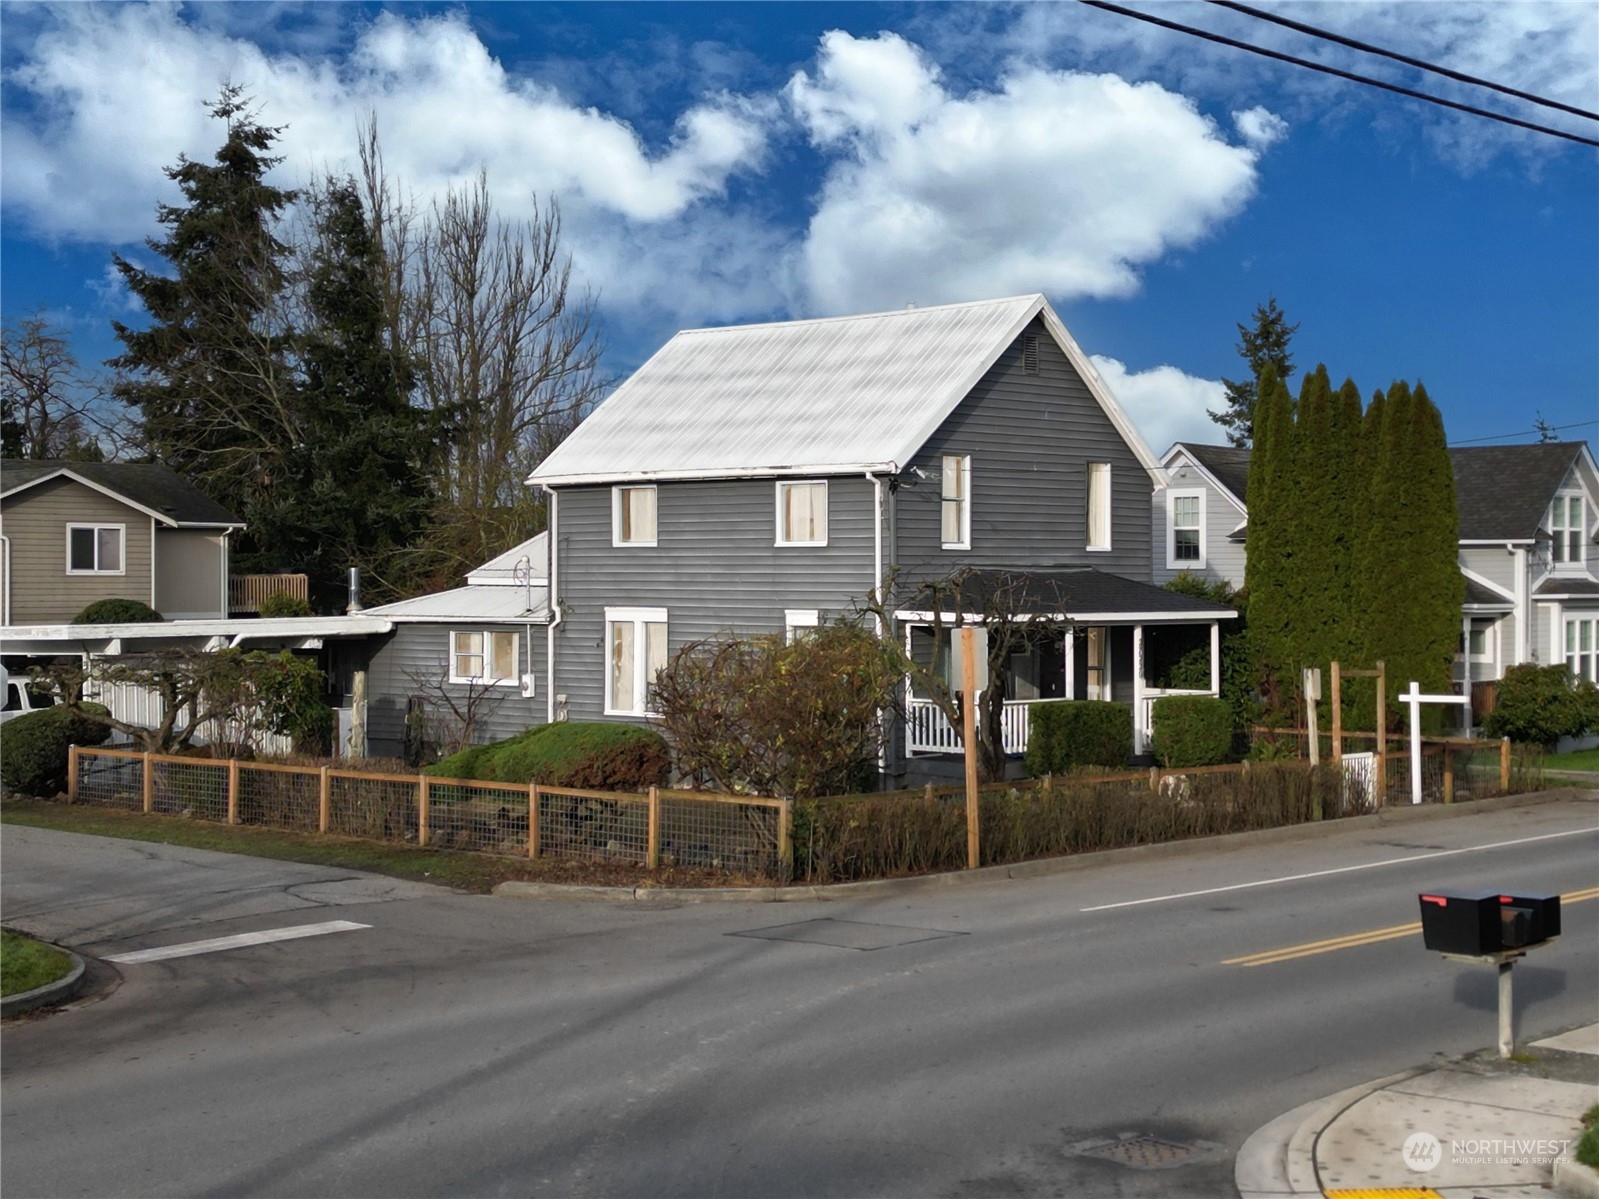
[(1143, 1152), (847, 934)]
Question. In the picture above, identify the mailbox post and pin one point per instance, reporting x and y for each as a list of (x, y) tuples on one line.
[(1492, 928)]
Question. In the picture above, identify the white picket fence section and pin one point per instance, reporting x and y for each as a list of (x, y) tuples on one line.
[(143, 707)]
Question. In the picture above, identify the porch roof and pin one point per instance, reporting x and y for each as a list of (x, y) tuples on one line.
[(1083, 595)]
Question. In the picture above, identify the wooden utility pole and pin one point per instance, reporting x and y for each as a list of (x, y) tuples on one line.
[(1337, 715), (969, 738)]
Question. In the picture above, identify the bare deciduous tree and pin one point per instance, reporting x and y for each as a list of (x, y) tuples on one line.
[(50, 407)]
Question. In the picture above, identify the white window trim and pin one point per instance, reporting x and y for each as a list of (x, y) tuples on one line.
[(638, 618), (488, 635), (1574, 656), (1580, 562), (965, 542), (1172, 561), (1110, 511), (122, 531), (616, 516), (797, 619), (782, 486)]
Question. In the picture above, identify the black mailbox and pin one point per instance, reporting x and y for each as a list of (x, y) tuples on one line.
[(1484, 922)]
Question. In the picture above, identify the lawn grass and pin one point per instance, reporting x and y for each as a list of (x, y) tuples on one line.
[(477, 872), (26, 963), (1587, 1151), (1582, 759)]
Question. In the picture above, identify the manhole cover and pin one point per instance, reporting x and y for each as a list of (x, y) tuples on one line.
[(1143, 1152), (847, 934)]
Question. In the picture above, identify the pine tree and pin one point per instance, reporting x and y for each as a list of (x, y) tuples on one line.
[(211, 375), (1265, 343)]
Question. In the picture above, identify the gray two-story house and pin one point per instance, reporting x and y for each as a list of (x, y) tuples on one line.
[(759, 478)]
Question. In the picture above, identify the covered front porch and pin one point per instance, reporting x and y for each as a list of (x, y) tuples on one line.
[(1084, 635)]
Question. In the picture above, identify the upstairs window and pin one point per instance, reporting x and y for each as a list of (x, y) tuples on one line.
[(632, 516), (1099, 505), (635, 640), (1568, 526), (802, 513), (956, 519), (95, 549), (1186, 545), (484, 658)]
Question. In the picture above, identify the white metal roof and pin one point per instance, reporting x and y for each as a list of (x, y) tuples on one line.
[(513, 567), (303, 631), (483, 604), (823, 396)]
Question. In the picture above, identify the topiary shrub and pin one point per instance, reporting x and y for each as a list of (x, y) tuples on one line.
[(1540, 704), (281, 603), (1063, 734), (1192, 730), (33, 748), (589, 754), (117, 611)]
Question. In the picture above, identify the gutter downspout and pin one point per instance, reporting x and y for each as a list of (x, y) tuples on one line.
[(1523, 620), (554, 528), (877, 621)]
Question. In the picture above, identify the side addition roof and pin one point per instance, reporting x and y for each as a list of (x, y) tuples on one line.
[(154, 490), (841, 394), (1503, 491), (1083, 594)]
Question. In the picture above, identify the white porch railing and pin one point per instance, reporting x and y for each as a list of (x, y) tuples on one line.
[(1145, 712), (927, 731)]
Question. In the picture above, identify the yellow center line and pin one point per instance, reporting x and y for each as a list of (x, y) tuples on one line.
[(1353, 940)]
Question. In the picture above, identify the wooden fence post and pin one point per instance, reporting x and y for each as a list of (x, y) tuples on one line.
[(785, 840), (532, 820), (72, 774), (1449, 774), (1154, 778), (652, 834), (969, 744), (147, 782), (233, 791), (422, 796), (1337, 714), (1504, 764), (323, 799), (1382, 733)]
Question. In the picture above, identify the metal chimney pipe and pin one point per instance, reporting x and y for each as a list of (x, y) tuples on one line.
[(355, 591)]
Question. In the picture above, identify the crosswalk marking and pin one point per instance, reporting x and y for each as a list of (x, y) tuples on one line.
[(218, 944)]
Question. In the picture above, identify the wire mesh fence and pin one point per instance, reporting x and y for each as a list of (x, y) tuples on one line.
[(279, 796), (598, 826), (742, 837), (193, 787), (471, 815), (112, 779)]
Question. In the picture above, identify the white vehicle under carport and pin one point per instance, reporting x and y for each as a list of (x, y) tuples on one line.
[(20, 698)]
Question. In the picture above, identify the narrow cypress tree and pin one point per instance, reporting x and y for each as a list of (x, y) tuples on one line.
[(1433, 631), (1347, 506), (1268, 560)]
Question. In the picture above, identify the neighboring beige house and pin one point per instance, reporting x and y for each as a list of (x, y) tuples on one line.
[(75, 532)]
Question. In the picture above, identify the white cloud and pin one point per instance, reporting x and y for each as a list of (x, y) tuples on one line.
[(1052, 181), (1165, 403), (1260, 127)]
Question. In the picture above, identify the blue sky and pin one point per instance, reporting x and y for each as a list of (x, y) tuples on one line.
[(723, 163)]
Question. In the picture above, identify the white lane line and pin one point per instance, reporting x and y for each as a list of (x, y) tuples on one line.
[(217, 944), (1294, 878)]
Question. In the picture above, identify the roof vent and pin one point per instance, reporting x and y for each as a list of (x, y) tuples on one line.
[(1030, 354)]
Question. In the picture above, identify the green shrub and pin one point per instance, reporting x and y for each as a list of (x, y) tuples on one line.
[(117, 611), (281, 603), (1192, 730), (1587, 1151), (1541, 704), (1063, 734), (33, 748), (592, 755)]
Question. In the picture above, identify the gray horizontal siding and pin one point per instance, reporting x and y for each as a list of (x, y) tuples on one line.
[(1224, 559), (1031, 438), (714, 567), (414, 660), (35, 522)]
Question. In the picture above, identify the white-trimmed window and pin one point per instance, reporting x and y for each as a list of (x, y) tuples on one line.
[(1099, 505), (797, 622), (955, 502), (1582, 647), (96, 549), (635, 652), (1185, 530), (633, 515), (1568, 526), (485, 658), (802, 513)]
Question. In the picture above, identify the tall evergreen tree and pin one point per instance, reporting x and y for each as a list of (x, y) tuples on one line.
[(211, 374), (1265, 343), (1345, 466), (1311, 514), (1268, 563), (352, 489), (1431, 631)]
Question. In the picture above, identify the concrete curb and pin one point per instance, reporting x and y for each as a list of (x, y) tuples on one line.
[(1278, 1161), (1575, 1180), (59, 991), (1039, 867)]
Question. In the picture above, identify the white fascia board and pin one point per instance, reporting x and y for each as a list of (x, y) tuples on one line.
[(540, 617), (1510, 596), (288, 627), (1498, 541), (1226, 491), (1101, 393), (730, 472)]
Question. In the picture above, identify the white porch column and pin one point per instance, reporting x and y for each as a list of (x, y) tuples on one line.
[(1138, 688), (1215, 657), (1465, 668), (1071, 664)]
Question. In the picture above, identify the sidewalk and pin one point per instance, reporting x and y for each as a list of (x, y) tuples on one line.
[(1437, 1133)]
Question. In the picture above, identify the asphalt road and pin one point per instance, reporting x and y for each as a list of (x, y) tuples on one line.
[(966, 1040)]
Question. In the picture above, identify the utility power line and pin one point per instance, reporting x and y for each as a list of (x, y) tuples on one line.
[(1582, 424), (1341, 74), (1367, 48)]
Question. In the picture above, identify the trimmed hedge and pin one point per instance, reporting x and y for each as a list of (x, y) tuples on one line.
[(1064, 734), (117, 611), (593, 755), (1192, 730), (281, 603), (33, 748)]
